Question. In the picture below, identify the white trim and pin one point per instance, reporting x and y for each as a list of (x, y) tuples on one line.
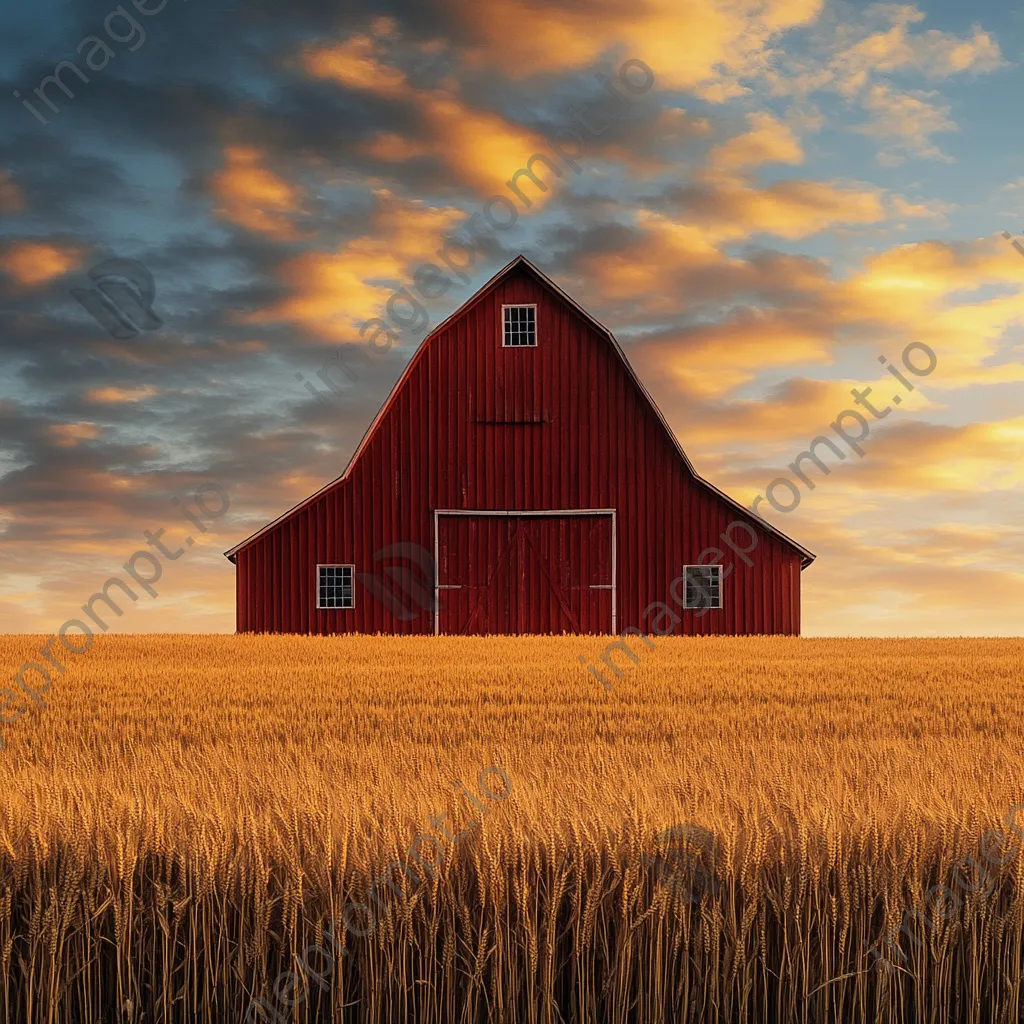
[(334, 565), (714, 607), (437, 577), (615, 573), (525, 512), (519, 305), (438, 512)]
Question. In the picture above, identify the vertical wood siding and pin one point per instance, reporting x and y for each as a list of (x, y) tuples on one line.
[(583, 437)]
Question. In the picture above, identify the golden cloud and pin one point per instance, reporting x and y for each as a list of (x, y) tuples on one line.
[(34, 263), (255, 198), (115, 395), (332, 291), (667, 248), (477, 147), (685, 42), (710, 360), (68, 435), (769, 140), (356, 64)]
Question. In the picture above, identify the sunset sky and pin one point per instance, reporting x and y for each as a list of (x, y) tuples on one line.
[(805, 187)]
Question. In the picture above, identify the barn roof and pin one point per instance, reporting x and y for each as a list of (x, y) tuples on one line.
[(806, 557)]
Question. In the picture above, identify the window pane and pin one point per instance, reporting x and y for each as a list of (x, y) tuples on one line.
[(703, 587), (519, 326), (336, 586)]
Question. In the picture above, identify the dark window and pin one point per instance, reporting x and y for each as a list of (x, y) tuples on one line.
[(703, 586), (520, 328), (334, 586)]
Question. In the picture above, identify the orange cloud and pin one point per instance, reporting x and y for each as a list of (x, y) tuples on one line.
[(68, 435), (332, 291), (709, 361), (768, 141), (977, 458), (478, 147), (714, 215), (957, 298), (255, 198), (685, 42), (355, 64), (35, 263), (117, 395)]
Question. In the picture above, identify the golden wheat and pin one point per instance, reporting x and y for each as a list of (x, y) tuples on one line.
[(187, 813)]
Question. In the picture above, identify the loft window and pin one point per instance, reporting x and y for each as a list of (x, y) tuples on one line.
[(519, 329), (335, 587), (703, 586)]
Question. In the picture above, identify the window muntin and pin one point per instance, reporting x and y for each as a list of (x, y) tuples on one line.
[(335, 586), (519, 326), (703, 586)]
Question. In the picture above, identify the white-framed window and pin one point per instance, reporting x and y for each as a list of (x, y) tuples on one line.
[(519, 326), (703, 586), (335, 586)]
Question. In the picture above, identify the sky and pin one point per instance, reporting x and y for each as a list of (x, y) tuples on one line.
[(802, 188)]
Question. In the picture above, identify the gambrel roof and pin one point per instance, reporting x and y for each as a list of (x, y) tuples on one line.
[(806, 557)]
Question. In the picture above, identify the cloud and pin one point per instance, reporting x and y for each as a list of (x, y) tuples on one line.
[(330, 292), (708, 361), (356, 64), (662, 259), (904, 122), (930, 209), (914, 458), (254, 197), (769, 140), (475, 146), (933, 53), (689, 44), (113, 394), (958, 298), (34, 263), (846, 54), (862, 59), (69, 435)]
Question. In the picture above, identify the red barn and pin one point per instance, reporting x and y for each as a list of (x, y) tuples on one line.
[(519, 479)]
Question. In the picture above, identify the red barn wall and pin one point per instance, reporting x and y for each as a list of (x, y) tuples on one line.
[(600, 445)]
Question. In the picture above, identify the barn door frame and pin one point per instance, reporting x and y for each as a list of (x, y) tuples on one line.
[(438, 512)]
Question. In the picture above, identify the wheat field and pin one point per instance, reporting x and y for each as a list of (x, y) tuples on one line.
[(186, 814)]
